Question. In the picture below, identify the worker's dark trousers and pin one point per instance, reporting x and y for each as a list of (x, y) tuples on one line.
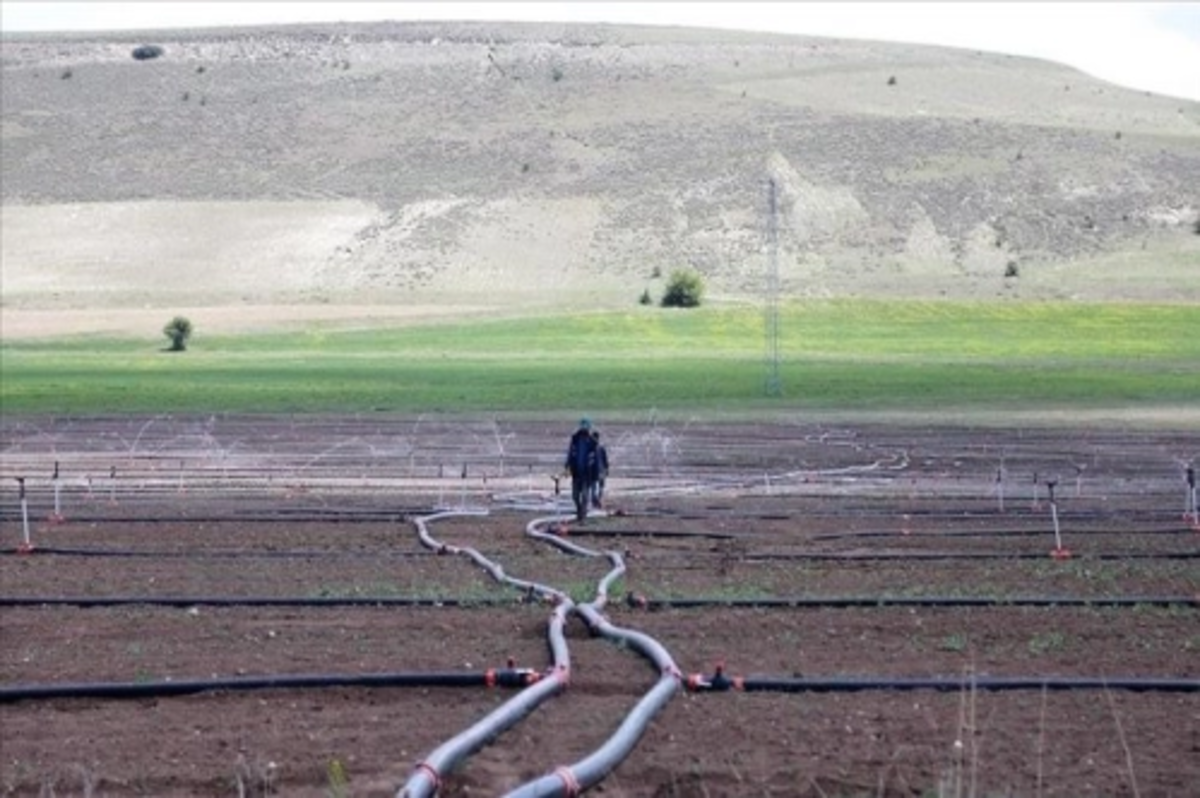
[(581, 494)]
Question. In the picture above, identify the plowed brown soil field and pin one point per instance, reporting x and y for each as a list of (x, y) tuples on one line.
[(226, 549)]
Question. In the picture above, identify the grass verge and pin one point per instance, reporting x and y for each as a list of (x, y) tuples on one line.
[(837, 355)]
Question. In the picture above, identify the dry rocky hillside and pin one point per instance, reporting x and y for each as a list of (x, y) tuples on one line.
[(394, 170)]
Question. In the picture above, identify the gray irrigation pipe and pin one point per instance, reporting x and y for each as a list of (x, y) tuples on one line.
[(426, 777), (501, 677), (569, 779)]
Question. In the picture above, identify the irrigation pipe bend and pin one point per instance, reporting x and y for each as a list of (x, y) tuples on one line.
[(567, 780), (570, 780), (426, 778)]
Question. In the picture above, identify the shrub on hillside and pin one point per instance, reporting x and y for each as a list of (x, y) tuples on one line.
[(685, 289), (146, 52), (179, 330)]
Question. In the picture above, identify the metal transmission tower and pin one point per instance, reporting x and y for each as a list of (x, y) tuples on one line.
[(774, 386)]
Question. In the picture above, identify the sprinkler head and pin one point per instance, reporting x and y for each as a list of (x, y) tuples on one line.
[(1060, 554), (25, 548)]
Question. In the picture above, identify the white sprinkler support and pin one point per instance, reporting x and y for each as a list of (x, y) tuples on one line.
[(26, 543), (1191, 483), (1059, 552), (57, 517), (1000, 488)]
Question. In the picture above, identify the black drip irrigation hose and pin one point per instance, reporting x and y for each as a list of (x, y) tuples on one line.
[(314, 515), (632, 600), (641, 602), (748, 557), (60, 551), (997, 533), (505, 677), (719, 682), (254, 601), (1009, 515), (946, 555)]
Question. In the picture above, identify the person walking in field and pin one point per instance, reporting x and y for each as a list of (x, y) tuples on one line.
[(581, 465), (601, 473)]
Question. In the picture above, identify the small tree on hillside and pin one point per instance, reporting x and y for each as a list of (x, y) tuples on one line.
[(179, 330), (685, 289)]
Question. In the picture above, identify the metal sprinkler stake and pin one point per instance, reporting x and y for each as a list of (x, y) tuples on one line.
[(1191, 481), (1059, 552), (1000, 487), (56, 517), (27, 544)]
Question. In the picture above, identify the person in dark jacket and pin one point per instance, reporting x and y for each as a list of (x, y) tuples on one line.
[(581, 464), (601, 472)]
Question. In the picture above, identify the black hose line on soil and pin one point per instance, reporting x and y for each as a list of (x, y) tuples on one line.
[(947, 555), (214, 553), (639, 601), (253, 601), (276, 517), (719, 682), (502, 677), (747, 557), (994, 533), (632, 600)]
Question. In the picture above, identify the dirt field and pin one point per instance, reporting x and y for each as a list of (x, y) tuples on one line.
[(234, 548)]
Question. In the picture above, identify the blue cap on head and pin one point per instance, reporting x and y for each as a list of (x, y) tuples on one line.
[(585, 423)]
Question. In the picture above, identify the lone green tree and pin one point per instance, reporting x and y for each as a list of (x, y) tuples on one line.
[(179, 330), (685, 289)]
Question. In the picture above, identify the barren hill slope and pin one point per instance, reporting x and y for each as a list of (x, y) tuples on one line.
[(503, 167)]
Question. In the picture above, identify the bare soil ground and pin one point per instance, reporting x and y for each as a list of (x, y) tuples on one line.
[(322, 510)]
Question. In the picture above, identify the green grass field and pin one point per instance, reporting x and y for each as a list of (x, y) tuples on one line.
[(873, 356)]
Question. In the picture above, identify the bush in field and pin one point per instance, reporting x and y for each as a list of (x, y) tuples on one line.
[(146, 52), (179, 330), (645, 299), (685, 289)]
